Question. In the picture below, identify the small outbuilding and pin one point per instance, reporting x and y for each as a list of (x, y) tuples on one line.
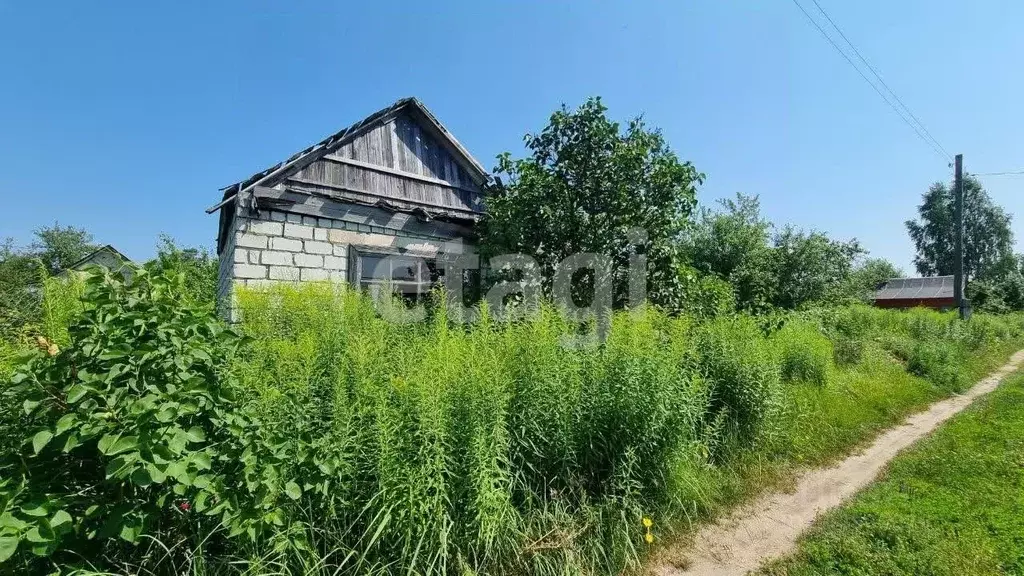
[(934, 292), (373, 203), (105, 257)]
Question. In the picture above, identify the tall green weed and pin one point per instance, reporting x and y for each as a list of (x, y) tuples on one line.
[(806, 354), (367, 447)]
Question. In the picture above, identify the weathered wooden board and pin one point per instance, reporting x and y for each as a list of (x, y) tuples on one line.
[(402, 144), (391, 183)]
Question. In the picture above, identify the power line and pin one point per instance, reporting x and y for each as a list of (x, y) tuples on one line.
[(1012, 173), (870, 83), (879, 77)]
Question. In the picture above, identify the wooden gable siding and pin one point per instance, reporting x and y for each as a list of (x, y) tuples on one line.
[(397, 160)]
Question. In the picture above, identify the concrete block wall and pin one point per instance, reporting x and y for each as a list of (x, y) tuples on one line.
[(278, 247)]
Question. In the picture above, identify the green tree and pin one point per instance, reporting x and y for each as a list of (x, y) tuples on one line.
[(584, 185), (869, 274), (23, 269), (787, 269), (810, 267), (1001, 287), (733, 243), (58, 247), (987, 235)]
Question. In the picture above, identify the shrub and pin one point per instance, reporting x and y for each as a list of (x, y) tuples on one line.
[(62, 305), (847, 351), (983, 329), (125, 424), (941, 363), (901, 347), (743, 375), (706, 296), (805, 352)]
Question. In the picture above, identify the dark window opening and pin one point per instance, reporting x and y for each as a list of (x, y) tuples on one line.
[(409, 277)]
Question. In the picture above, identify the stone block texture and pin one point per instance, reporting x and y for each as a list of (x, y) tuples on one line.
[(272, 247)]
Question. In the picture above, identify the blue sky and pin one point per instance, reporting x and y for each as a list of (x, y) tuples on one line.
[(126, 117)]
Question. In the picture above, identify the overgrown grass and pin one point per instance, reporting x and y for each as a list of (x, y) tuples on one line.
[(435, 448), (952, 505), (673, 419), (495, 447), (807, 355)]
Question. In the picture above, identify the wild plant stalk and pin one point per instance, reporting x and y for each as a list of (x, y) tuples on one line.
[(438, 448)]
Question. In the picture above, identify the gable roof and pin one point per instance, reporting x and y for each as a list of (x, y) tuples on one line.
[(297, 161), (916, 288), (92, 255)]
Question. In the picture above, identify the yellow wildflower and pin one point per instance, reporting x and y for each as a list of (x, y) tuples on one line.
[(649, 538), (647, 522)]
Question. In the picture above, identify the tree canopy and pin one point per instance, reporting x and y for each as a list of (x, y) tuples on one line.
[(987, 235), (788, 268), (585, 185), (22, 270), (58, 247), (733, 243), (869, 274)]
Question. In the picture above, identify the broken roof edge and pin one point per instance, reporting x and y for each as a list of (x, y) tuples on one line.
[(312, 153)]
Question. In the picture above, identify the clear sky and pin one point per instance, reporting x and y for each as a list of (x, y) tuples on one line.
[(126, 117)]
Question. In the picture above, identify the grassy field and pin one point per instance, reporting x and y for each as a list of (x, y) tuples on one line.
[(355, 445), (827, 423), (952, 505)]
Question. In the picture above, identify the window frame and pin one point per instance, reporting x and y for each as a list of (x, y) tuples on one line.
[(355, 270)]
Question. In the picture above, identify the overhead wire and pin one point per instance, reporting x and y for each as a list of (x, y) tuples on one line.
[(933, 145), (880, 80), (1010, 173)]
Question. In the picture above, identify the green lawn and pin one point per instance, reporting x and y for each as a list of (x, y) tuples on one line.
[(953, 505)]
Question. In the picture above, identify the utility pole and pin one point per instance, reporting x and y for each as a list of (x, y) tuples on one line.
[(958, 217)]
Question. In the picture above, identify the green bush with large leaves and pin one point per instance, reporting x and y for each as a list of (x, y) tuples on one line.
[(132, 426)]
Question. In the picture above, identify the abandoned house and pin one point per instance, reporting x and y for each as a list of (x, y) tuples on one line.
[(395, 184)]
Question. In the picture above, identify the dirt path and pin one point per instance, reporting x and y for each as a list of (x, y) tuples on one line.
[(769, 527)]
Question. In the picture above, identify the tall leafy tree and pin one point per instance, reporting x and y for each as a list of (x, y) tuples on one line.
[(1001, 287), (586, 182), (58, 247), (810, 267), (767, 269), (869, 274), (733, 242), (988, 238)]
